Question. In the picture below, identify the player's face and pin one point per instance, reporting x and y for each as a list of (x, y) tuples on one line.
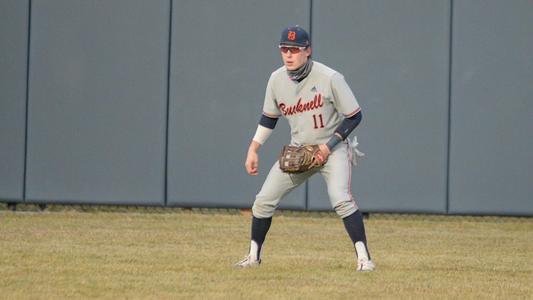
[(294, 57)]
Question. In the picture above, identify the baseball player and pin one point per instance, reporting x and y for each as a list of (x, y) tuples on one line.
[(321, 109)]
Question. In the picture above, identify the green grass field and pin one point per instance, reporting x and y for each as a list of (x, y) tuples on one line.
[(171, 254)]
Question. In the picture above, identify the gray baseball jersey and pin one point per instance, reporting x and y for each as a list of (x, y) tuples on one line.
[(314, 108)]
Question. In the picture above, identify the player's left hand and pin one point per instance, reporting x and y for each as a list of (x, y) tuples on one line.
[(321, 156)]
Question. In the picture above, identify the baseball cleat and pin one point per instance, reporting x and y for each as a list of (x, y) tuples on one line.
[(365, 265), (248, 262)]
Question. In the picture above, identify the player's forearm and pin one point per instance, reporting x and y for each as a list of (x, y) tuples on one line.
[(345, 128), (348, 125), (261, 135), (254, 146), (264, 129)]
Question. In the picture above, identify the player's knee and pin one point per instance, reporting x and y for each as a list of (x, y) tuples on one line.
[(345, 208), (338, 196), (261, 209)]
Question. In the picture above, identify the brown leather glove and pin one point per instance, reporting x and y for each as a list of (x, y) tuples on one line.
[(298, 159)]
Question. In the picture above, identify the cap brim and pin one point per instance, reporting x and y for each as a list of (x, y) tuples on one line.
[(284, 43)]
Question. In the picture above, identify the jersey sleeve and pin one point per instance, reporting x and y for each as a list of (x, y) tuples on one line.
[(344, 99), (270, 106)]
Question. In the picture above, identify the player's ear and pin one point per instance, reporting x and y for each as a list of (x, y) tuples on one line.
[(308, 51)]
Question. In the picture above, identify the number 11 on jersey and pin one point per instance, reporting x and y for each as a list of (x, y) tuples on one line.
[(318, 119)]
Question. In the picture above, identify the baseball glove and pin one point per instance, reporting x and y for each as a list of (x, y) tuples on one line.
[(298, 159)]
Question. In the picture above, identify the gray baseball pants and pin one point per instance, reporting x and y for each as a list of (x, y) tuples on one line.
[(336, 172)]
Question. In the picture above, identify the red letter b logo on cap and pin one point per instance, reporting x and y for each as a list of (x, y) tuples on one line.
[(291, 35)]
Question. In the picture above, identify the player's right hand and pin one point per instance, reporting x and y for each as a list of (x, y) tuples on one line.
[(252, 163)]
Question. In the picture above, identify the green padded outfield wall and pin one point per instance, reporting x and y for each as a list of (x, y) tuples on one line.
[(394, 55), (13, 66), (97, 101), (222, 55), (155, 102), (491, 149)]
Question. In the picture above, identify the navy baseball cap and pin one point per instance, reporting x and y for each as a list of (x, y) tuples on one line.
[(294, 36)]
